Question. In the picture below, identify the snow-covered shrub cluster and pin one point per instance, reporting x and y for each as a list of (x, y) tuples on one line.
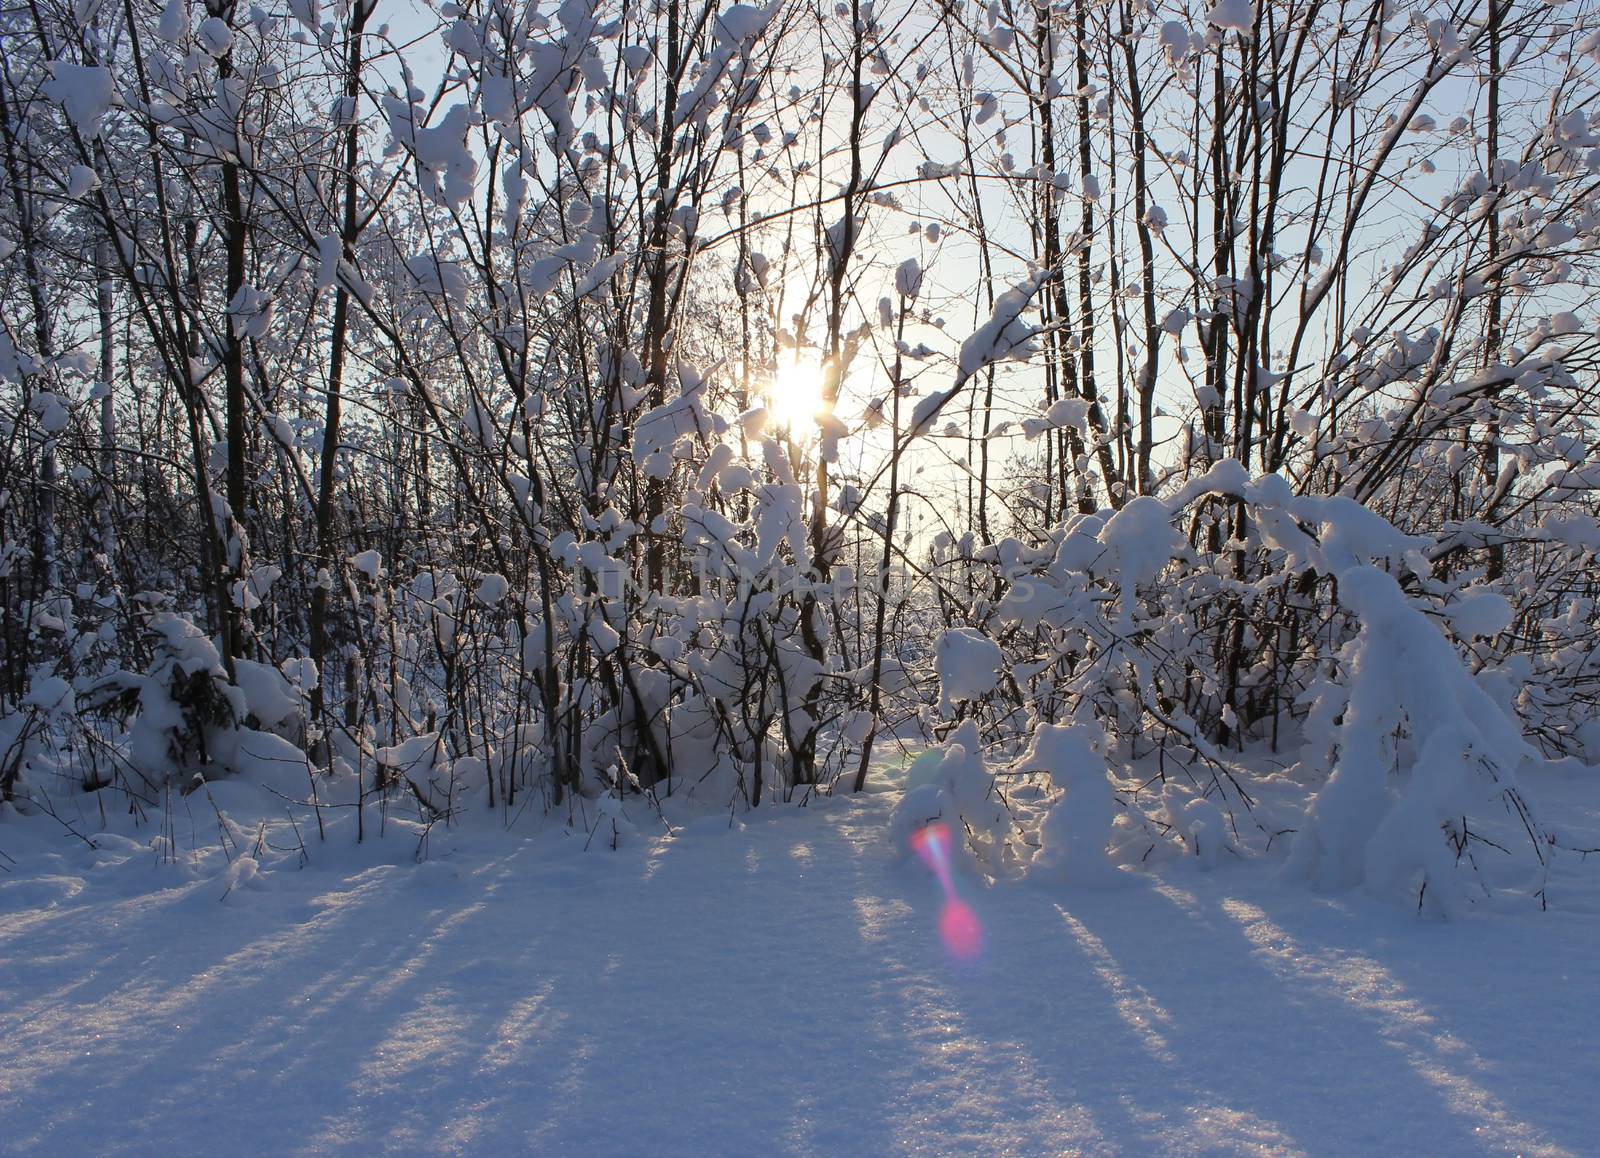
[(1357, 651), (182, 713)]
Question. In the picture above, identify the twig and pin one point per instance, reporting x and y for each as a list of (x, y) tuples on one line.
[(44, 804)]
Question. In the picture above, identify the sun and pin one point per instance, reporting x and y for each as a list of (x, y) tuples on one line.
[(795, 395)]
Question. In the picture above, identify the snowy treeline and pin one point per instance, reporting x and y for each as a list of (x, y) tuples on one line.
[(532, 406)]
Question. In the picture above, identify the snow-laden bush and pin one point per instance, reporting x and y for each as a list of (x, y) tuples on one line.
[(1076, 827), (1421, 749), (953, 783), (1183, 666), (182, 713), (26, 734)]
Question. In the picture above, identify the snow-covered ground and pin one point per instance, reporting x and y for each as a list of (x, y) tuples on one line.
[(777, 986)]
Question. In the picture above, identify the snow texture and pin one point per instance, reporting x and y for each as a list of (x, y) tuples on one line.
[(1233, 14), (485, 1002), (86, 92), (968, 666), (1073, 836)]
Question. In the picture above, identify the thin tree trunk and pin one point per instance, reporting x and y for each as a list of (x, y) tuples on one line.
[(336, 358)]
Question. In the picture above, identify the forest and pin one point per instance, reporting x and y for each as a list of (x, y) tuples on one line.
[(673, 577), (549, 411)]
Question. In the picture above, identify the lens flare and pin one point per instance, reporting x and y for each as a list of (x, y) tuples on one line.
[(959, 927)]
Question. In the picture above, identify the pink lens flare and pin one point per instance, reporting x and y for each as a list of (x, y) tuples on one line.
[(932, 844), (960, 931), (959, 927)]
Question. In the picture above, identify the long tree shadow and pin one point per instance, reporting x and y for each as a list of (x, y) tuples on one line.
[(191, 1012), (649, 1002), (1375, 1063), (1045, 1043), (781, 981), (1152, 1019)]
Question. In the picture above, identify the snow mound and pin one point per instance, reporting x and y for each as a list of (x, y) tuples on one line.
[(968, 666)]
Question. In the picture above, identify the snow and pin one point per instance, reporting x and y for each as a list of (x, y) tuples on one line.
[(967, 664), (1142, 538), (1479, 611), (1368, 825), (267, 694), (1006, 335), (741, 23), (307, 13), (773, 985), (412, 754), (1351, 534), (1235, 14), (1069, 412), (301, 671), (1201, 824), (215, 36), (50, 694), (1074, 833), (440, 149), (80, 180), (492, 589), (1301, 725), (908, 278), (86, 92), (1565, 324), (1174, 38), (660, 428), (928, 409), (174, 22)]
